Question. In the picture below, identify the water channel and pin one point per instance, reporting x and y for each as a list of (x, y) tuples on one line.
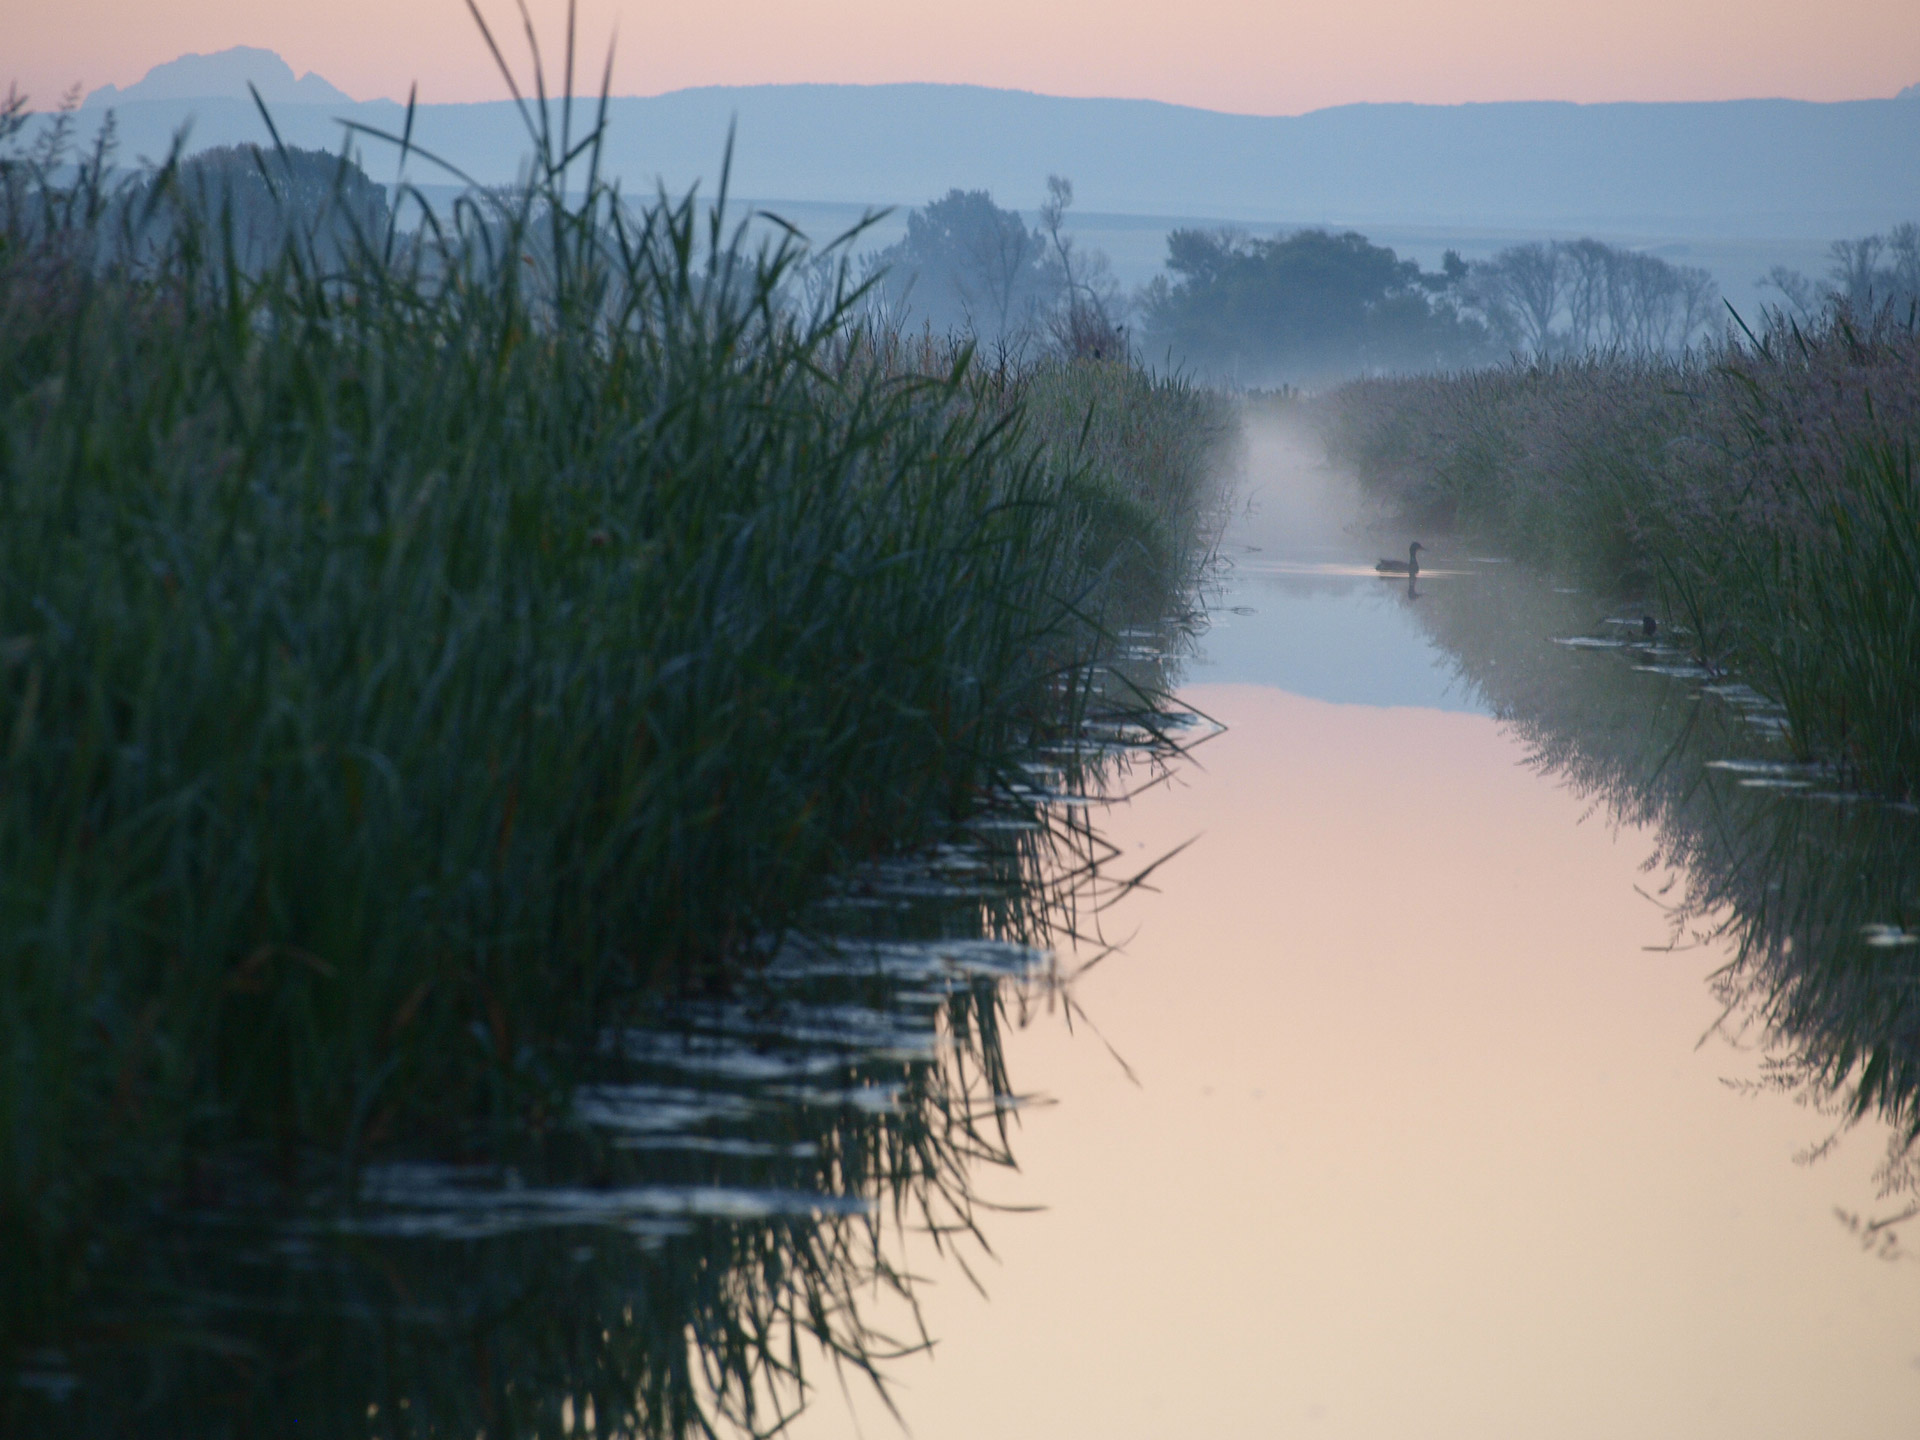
[(1414, 1107), (1452, 1071)]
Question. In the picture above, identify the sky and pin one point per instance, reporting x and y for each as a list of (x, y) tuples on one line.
[(1270, 57)]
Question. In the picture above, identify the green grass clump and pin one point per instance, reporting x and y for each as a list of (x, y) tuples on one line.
[(1764, 490), (412, 649), (1143, 454)]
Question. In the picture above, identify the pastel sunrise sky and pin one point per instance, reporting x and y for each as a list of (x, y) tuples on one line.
[(1253, 56)]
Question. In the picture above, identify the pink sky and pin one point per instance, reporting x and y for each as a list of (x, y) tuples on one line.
[(1276, 57)]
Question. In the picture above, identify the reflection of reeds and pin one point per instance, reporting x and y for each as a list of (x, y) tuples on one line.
[(1815, 893), (1766, 489), (852, 1087), (412, 658)]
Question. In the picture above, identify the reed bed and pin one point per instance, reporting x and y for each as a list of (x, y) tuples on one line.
[(1761, 491), (414, 649)]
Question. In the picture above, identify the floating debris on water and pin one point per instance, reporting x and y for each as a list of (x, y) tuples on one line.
[(1888, 937), (1772, 774), (1054, 799), (786, 1051), (1678, 672), (424, 1200), (1778, 769), (1743, 696)]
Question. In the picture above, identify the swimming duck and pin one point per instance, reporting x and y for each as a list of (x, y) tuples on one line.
[(1409, 566)]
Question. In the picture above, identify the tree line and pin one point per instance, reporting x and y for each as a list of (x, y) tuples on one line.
[(249, 202), (1304, 308), (1868, 275), (967, 266), (1563, 297)]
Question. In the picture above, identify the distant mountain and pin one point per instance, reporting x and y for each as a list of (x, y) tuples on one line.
[(1763, 168), (225, 75)]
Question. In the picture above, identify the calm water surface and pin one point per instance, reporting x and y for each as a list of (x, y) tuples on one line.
[(1401, 1109)]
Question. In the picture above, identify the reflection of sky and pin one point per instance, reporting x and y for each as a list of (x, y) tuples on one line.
[(1417, 1138), (1349, 638), (1416, 1133)]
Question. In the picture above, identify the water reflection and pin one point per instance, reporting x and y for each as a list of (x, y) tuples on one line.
[(1415, 1135), (1327, 627), (713, 1197), (1812, 889)]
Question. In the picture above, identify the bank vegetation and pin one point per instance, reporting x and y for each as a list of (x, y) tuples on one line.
[(420, 640), (1759, 491)]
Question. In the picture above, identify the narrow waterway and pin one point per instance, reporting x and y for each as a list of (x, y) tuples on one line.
[(1397, 1111)]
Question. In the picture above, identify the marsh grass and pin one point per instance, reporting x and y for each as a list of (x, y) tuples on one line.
[(506, 1296), (417, 650), (1763, 492)]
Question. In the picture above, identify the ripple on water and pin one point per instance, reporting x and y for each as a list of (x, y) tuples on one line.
[(425, 1200), (724, 1079)]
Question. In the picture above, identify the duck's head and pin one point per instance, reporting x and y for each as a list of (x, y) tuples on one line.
[(1415, 546)]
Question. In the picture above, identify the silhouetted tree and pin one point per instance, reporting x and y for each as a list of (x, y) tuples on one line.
[(1304, 308), (966, 265), (261, 200), (1520, 292), (1856, 277), (1085, 319), (1609, 298)]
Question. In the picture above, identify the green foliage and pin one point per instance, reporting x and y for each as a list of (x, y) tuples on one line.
[(414, 649), (261, 201), (1303, 309), (1146, 453), (1765, 490)]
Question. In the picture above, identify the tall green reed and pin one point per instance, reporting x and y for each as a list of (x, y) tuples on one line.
[(412, 649)]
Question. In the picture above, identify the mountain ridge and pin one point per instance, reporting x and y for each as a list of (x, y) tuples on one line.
[(223, 74), (1760, 166)]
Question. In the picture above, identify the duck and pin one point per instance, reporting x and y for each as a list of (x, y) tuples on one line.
[(1408, 567)]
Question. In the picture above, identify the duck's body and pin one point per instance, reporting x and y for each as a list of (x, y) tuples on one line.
[(1409, 566)]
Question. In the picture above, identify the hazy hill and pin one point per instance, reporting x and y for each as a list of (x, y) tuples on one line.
[(194, 77), (1749, 167)]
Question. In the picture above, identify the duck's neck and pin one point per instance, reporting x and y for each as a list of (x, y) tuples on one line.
[(1413, 562)]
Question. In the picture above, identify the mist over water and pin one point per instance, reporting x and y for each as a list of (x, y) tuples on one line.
[(1308, 614)]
